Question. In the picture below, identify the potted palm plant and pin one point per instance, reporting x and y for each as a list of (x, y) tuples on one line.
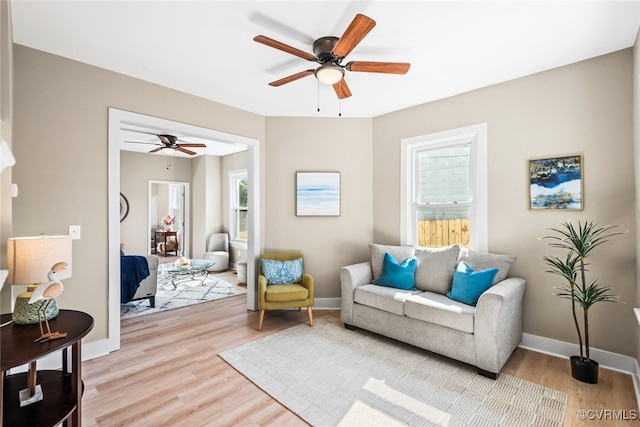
[(579, 242)]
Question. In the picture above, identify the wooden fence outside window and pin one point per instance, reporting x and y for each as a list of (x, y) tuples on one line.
[(439, 233)]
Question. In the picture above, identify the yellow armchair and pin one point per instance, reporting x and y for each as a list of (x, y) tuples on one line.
[(277, 296)]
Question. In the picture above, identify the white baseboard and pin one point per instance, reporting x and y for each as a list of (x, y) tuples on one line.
[(606, 359), (326, 304)]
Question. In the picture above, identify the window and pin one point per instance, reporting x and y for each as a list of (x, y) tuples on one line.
[(444, 194), (238, 201)]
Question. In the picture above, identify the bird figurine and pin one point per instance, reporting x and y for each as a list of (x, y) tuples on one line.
[(47, 291)]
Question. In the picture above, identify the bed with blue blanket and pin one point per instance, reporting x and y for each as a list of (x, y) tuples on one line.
[(138, 278)]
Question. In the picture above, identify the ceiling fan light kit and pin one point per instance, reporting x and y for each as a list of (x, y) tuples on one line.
[(329, 74), (330, 51)]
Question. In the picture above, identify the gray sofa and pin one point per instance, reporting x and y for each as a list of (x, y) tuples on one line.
[(483, 335)]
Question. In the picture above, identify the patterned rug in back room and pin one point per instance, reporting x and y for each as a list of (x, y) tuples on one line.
[(187, 293)]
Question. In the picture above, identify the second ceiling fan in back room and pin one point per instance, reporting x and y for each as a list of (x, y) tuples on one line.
[(170, 144), (330, 51)]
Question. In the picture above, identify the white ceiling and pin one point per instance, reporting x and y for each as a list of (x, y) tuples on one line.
[(206, 48)]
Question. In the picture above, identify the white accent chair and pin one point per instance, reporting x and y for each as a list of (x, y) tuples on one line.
[(218, 251)]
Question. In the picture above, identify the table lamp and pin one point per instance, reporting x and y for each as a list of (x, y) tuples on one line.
[(29, 260)]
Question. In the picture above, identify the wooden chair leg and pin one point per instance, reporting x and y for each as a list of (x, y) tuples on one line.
[(261, 320), (310, 313)]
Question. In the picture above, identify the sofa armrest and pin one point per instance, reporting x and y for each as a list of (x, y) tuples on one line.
[(351, 277), (498, 323)]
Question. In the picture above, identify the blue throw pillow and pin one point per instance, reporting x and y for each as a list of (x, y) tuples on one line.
[(397, 275), (281, 272), (468, 284)]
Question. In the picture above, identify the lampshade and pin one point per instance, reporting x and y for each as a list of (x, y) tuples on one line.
[(168, 150), (329, 74), (30, 258)]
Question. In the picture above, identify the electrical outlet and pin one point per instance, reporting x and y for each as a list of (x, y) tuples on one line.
[(74, 232)]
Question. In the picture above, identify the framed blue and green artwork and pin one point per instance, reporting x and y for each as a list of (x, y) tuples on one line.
[(317, 193), (556, 183)]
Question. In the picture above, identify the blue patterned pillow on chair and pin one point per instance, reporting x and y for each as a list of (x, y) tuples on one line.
[(281, 272)]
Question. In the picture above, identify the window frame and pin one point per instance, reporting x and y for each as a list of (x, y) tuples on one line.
[(236, 176), (476, 137)]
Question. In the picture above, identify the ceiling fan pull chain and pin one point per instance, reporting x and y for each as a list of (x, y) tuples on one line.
[(339, 107), (318, 96)]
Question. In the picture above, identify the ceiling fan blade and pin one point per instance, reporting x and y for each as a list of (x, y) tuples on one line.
[(291, 78), (284, 47), (197, 145), (355, 32), (342, 89), (378, 67), (155, 150), (164, 139), (184, 150)]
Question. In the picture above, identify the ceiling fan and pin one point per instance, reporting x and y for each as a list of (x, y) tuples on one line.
[(330, 51), (169, 144)]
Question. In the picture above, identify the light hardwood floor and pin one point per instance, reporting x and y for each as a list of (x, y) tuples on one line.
[(167, 373)]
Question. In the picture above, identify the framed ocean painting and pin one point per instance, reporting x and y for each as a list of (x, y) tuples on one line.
[(317, 193), (556, 183)]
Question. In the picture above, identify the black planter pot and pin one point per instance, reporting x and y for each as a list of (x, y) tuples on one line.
[(584, 371)]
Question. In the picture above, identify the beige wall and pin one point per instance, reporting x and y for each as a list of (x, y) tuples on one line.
[(206, 193), (319, 144), (581, 108), (60, 142)]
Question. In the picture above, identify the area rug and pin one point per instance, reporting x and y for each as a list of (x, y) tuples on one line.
[(187, 293), (331, 376)]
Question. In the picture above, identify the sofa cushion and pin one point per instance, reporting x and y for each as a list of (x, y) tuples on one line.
[(434, 269), (469, 284), (382, 297), (377, 251), (282, 272), (397, 275), (486, 260), (436, 308)]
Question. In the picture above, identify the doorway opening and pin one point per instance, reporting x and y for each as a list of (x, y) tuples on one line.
[(119, 121), (168, 200)]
